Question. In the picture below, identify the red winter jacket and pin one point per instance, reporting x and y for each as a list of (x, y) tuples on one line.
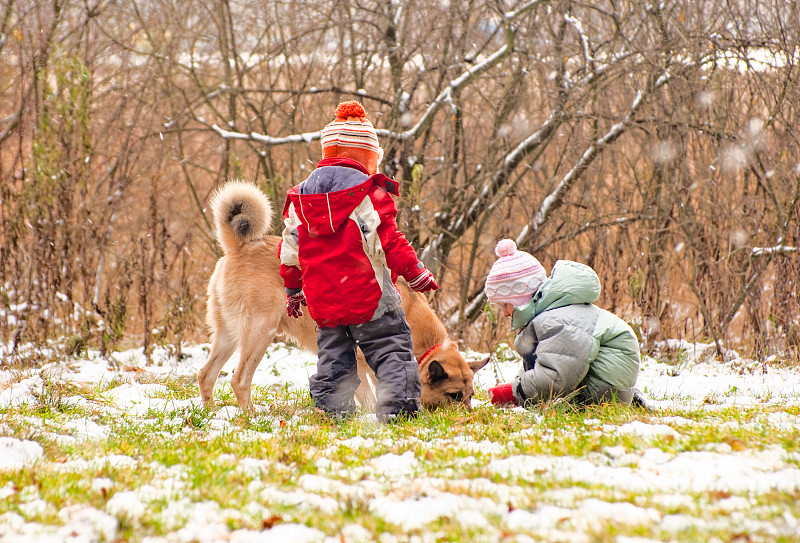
[(341, 244)]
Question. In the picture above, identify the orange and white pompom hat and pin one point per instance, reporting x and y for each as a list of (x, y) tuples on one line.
[(351, 135), (515, 276)]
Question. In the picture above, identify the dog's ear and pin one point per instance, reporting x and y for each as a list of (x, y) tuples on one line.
[(436, 372), (475, 365)]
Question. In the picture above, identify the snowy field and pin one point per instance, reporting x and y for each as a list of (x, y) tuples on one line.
[(92, 450)]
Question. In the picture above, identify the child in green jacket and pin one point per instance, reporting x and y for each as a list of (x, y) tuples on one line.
[(569, 346)]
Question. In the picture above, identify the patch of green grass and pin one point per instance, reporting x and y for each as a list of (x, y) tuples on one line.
[(259, 466)]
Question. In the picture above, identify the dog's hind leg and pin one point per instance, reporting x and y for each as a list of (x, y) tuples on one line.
[(365, 393), (222, 347), (254, 343)]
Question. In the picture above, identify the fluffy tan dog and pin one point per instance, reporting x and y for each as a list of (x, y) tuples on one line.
[(247, 309)]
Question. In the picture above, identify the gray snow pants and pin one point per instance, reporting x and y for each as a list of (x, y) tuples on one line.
[(387, 347)]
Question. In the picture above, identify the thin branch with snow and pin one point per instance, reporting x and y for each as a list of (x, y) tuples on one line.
[(777, 250), (587, 51), (306, 137), (514, 14)]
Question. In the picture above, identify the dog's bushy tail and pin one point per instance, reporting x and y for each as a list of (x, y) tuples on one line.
[(242, 213)]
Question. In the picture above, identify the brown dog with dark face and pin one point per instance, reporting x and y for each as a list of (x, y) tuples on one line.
[(246, 310)]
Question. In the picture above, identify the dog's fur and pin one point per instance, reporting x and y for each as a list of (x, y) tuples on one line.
[(247, 309)]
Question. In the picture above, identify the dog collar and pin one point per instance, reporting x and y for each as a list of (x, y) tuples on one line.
[(429, 351)]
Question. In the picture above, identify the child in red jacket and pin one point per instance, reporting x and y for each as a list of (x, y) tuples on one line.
[(341, 254)]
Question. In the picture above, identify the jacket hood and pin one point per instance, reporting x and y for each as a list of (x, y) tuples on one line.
[(326, 199), (569, 283)]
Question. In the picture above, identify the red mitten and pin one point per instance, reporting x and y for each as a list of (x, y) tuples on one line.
[(423, 282), (294, 303), (502, 396)]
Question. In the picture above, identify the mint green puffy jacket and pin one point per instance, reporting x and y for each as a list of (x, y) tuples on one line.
[(577, 346)]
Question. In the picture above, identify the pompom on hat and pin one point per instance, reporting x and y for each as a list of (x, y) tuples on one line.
[(515, 276), (351, 135)]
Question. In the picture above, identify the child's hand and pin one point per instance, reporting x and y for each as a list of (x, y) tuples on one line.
[(423, 282), (294, 303), (502, 396)]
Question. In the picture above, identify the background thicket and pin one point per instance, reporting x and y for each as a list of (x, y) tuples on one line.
[(655, 141)]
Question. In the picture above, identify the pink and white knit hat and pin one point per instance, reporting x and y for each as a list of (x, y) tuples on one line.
[(515, 277)]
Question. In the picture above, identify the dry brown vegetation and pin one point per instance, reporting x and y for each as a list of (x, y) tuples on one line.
[(656, 142)]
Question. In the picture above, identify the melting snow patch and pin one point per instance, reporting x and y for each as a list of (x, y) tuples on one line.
[(102, 485), (301, 500), (731, 383), (7, 491), (678, 421), (86, 429), (250, 467), (88, 372), (678, 523), (16, 454), (674, 501), (87, 523), (393, 466), (357, 442), (757, 472), (11, 522), (734, 503), (113, 461), (195, 517), (36, 508), (643, 429), (417, 513), (296, 533), (355, 533), (545, 517), (321, 485), (593, 513), (204, 531), (480, 447), (132, 504), (784, 421), (134, 393), (23, 392), (227, 413)]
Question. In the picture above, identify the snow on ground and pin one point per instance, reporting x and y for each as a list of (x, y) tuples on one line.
[(396, 487)]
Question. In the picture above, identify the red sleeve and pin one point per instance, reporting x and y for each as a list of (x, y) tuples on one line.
[(292, 276), (400, 255)]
